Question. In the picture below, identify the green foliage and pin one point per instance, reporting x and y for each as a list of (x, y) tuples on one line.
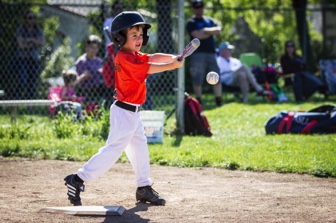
[(64, 126), (59, 60), (15, 132), (105, 126), (91, 127), (49, 26)]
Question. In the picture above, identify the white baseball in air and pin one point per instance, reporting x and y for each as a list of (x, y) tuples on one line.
[(212, 78)]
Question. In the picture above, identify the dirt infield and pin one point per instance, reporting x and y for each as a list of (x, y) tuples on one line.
[(205, 195)]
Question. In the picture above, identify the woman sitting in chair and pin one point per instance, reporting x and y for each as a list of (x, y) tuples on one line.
[(305, 83)]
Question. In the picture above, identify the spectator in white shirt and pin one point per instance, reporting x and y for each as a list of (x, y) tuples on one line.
[(234, 73)]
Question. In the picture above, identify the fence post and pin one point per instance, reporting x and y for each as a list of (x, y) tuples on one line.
[(180, 72)]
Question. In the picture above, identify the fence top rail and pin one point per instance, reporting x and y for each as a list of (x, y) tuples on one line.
[(11, 103), (256, 7)]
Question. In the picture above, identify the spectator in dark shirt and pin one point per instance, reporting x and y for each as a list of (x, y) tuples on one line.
[(305, 83), (203, 60), (30, 39)]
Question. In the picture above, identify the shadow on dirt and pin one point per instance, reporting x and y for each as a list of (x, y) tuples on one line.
[(130, 216)]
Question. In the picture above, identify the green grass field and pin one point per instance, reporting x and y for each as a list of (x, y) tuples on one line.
[(239, 141)]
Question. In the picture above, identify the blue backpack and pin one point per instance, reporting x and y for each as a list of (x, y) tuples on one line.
[(320, 120)]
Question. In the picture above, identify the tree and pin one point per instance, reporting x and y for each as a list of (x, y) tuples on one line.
[(300, 7)]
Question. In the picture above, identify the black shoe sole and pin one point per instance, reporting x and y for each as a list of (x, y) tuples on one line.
[(162, 203)]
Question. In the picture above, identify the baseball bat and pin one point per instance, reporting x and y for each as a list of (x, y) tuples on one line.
[(190, 48), (107, 32)]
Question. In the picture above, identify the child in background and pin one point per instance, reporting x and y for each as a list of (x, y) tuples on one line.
[(129, 33), (89, 65), (71, 79), (69, 101)]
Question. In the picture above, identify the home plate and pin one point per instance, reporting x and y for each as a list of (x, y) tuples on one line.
[(86, 210)]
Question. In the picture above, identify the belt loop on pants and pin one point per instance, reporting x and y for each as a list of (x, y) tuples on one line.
[(128, 107)]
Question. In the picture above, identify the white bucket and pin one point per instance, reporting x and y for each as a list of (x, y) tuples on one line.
[(153, 124)]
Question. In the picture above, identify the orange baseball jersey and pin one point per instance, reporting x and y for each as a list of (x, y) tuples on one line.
[(131, 73)]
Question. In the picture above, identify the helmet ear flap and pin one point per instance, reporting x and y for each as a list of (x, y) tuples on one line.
[(145, 37), (119, 39)]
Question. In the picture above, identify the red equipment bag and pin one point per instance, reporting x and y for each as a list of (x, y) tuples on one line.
[(195, 122)]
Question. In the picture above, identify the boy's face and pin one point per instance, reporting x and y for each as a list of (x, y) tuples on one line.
[(134, 39), (91, 50)]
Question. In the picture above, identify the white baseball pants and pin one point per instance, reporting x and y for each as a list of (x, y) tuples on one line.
[(126, 134)]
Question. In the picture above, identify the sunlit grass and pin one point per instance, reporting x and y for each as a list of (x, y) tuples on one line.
[(239, 141)]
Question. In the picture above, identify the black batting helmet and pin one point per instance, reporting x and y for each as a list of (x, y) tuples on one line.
[(125, 20)]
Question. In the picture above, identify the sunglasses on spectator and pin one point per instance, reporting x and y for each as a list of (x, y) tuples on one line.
[(290, 46), (31, 17), (198, 7)]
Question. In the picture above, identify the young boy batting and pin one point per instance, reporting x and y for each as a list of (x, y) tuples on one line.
[(129, 33)]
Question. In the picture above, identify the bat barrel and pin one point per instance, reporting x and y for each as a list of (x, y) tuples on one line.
[(190, 48)]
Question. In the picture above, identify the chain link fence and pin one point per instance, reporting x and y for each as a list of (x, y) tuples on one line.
[(31, 70), (40, 41)]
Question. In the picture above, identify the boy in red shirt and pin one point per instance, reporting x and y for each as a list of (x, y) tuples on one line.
[(129, 33)]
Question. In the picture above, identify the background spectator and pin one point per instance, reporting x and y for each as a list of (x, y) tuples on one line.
[(29, 39), (234, 73), (71, 79), (203, 59), (90, 65), (305, 83), (70, 102)]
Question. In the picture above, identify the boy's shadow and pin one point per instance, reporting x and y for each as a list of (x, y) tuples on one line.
[(129, 216)]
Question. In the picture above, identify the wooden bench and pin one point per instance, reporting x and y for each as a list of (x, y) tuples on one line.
[(19, 103)]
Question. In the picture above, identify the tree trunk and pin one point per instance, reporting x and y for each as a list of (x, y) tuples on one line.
[(303, 33)]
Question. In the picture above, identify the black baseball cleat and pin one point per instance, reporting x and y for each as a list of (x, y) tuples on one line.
[(74, 188), (148, 194)]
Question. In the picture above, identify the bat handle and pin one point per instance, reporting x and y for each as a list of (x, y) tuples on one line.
[(180, 58)]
